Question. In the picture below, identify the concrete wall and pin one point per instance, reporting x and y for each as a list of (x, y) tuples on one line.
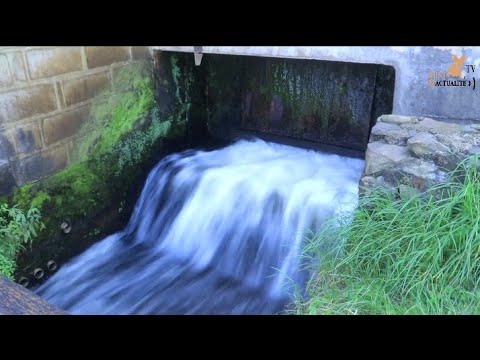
[(45, 95), (329, 102), (413, 96)]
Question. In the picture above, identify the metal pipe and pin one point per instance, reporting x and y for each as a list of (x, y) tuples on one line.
[(38, 273), (51, 265), (66, 227), (24, 281)]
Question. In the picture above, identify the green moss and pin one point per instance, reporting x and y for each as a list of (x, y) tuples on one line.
[(23, 196), (136, 147), (302, 91), (40, 198), (183, 80), (28, 196), (122, 134), (114, 116), (93, 181), (75, 190)]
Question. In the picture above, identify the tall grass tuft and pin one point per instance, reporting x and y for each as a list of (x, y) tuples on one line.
[(415, 255)]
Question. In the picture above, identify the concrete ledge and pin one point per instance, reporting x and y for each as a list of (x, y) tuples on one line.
[(17, 300), (413, 95)]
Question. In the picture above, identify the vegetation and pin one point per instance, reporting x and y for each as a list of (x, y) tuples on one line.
[(108, 142), (135, 149), (17, 229), (115, 115), (413, 255), (117, 142)]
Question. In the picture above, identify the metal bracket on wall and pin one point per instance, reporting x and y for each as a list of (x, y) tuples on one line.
[(197, 53)]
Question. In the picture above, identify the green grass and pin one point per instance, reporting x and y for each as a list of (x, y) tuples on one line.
[(17, 229), (415, 255)]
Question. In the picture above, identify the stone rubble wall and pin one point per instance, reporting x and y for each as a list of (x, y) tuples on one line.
[(45, 96), (408, 151)]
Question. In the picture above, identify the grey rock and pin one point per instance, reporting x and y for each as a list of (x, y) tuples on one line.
[(383, 128), (398, 119), (458, 143), (367, 181), (380, 156), (426, 144), (474, 150), (412, 132), (420, 168), (397, 137), (438, 127), (470, 129), (407, 192)]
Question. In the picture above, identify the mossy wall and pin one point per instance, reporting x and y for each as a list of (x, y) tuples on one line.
[(125, 136), (322, 101), (45, 96), (180, 89)]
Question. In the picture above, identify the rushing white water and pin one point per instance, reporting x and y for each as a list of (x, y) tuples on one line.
[(216, 232)]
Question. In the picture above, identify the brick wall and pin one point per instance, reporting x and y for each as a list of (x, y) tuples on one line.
[(45, 95)]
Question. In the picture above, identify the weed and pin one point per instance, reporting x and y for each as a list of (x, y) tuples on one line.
[(417, 255)]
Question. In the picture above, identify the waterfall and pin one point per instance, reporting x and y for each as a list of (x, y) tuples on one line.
[(217, 232)]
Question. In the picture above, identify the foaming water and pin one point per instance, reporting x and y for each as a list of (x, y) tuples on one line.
[(216, 232)]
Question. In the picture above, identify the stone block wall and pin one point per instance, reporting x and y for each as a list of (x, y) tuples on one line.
[(416, 152), (45, 96)]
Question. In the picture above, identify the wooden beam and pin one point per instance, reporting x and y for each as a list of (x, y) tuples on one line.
[(17, 300)]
